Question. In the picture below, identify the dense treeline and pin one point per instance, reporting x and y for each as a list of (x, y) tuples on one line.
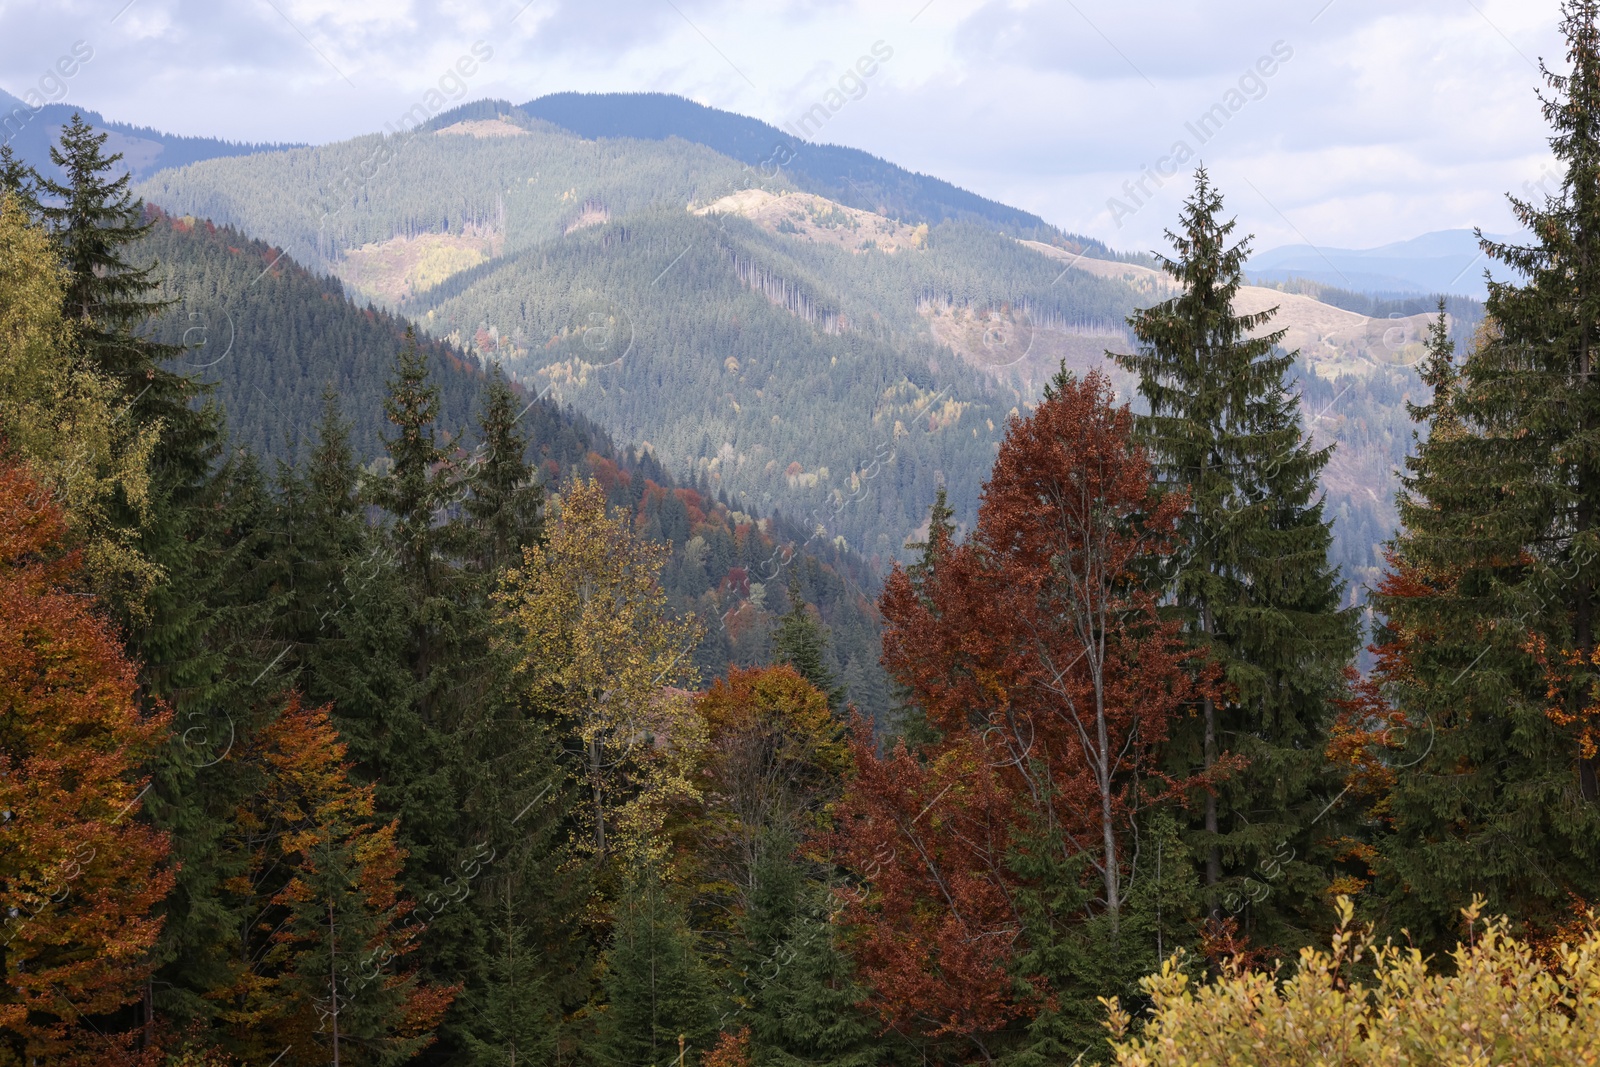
[(270, 340), (415, 763)]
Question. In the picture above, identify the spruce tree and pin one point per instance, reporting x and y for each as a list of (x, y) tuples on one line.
[(1254, 584), (506, 502), (198, 633), (656, 984), (793, 983), (1494, 588), (97, 222), (910, 721), (802, 643), (19, 180)]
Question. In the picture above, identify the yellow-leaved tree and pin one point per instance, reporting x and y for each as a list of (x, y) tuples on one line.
[(596, 644), (1499, 1002), (63, 419)]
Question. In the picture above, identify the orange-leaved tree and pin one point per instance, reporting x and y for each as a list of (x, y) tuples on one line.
[(1036, 652), (774, 757), (79, 873), (321, 968)]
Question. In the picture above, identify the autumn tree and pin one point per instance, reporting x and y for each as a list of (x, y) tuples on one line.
[(63, 417), (325, 964), (1037, 652), (774, 756), (80, 873), (588, 623)]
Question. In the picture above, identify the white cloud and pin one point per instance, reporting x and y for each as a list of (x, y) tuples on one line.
[(1391, 118)]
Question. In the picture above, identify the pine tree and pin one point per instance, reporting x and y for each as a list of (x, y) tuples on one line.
[(519, 1013), (1495, 577), (794, 985), (802, 643), (1253, 582), (97, 222)]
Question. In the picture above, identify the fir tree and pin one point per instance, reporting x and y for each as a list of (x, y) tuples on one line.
[(19, 180), (517, 1020), (1253, 581), (802, 643), (1492, 598), (506, 501), (794, 985), (656, 984), (96, 222)]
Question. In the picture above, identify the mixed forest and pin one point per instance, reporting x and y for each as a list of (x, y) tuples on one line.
[(441, 731)]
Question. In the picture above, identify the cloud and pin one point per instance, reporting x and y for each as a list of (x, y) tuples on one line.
[(1390, 119)]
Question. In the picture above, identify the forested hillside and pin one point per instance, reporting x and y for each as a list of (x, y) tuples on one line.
[(799, 353), (799, 377), (487, 744), (271, 341), (846, 175)]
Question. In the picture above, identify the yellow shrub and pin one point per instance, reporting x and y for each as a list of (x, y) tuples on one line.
[(1499, 1004)]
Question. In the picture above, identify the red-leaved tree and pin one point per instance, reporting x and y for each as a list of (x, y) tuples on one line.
[(1036, 651), (79, 873)]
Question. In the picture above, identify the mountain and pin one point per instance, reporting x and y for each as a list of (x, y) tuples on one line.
[(30, 131), (803, 355), (270, 337), (848, 176), (1445, 261), (830, 363)]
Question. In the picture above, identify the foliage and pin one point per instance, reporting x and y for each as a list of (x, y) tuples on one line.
[(322, 885), (63, 417), (658, 994), (1037, 654), (588, 619), (1251, 577), (1499, 1001), (80, 875), (1494, 577)]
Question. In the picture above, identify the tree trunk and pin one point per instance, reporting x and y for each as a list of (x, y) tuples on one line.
[(1213, 851), (1108, 830), (333, 981), (599, 810)]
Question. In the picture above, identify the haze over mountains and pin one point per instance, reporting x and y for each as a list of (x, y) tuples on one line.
[(1446, 261), (807, 328)]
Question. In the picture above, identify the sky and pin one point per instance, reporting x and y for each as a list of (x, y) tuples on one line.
[(1336, 123)]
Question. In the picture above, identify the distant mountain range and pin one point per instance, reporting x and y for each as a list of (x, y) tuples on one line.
[(1442, 262), (31, 131)]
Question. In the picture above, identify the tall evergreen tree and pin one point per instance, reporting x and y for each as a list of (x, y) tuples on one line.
[(198, 631), (506, 501), (802, 643), (656, 984), (1254, 583), (1495, 578), (19, 180), (97, 222)]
